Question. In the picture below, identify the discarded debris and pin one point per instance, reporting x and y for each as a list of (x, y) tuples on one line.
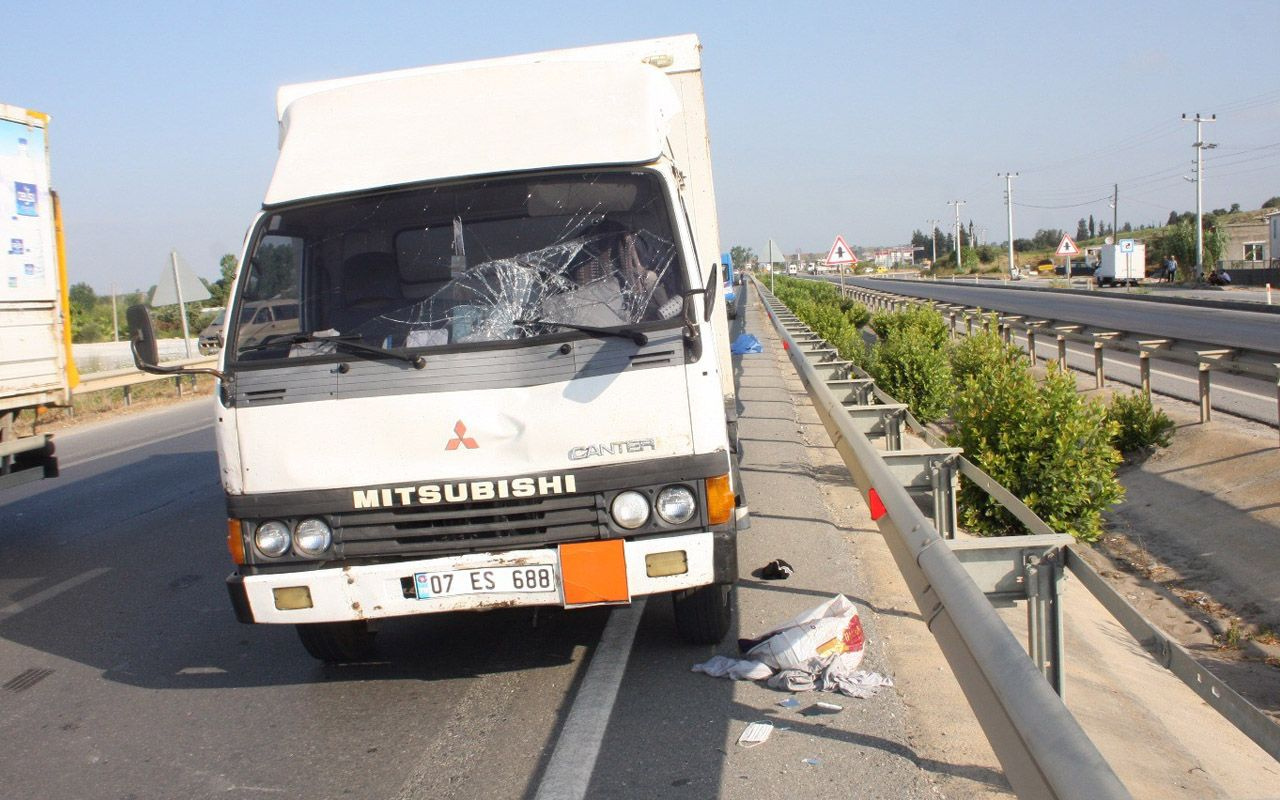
[(733, 668), (832, 707), (790, 702), (813, 762), (777, 570), (820, 649), (746, 343), (807, 641), (756, 733)]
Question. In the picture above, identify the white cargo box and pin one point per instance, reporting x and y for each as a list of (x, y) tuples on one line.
[(1123, 262)]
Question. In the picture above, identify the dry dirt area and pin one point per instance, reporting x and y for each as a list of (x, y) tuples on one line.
[(1194, 548), (107, 404)]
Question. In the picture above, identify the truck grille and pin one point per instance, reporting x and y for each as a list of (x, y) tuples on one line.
[(468, 527)]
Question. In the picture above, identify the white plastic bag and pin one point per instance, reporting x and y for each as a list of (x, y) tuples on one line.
[(811, 640)]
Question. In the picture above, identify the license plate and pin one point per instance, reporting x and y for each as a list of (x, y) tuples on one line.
[(486, 580)]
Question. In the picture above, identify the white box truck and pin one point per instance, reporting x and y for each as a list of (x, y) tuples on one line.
[(1122, 263), (36, 368), (507, 383)]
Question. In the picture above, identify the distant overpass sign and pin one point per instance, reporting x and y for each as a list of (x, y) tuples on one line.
[(841, 253), (1067, 247)]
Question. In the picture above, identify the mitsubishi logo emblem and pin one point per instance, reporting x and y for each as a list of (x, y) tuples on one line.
[(461, 438)]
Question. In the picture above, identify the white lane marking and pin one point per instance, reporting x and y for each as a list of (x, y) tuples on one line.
[(18, 606), (568, 773), (129, 447)]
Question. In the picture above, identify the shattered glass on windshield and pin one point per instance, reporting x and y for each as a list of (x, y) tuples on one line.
[(480, 262)]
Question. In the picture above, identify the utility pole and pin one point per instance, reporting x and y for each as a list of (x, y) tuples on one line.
[(957, 204), (115, 317), (1200, 147), (933, 234), (1115, 211), (1008, 201)]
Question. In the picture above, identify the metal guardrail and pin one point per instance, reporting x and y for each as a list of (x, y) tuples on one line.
[(130, 377), (1009, 705), (1043, 750), (1206, 356)]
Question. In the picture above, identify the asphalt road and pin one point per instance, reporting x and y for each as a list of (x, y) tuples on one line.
[(126, 675), (1240, 395), (1256, 330), (123, 673)]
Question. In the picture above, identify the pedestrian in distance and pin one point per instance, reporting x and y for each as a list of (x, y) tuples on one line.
[(1170, 268)]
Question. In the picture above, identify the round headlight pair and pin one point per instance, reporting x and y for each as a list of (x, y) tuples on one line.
[(674, 504), (311, 537)]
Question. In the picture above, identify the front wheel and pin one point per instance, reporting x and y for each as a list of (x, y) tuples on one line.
[(337, 642), (703, 614)]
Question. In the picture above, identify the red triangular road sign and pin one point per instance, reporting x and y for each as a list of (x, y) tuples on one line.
[(841, 253), (1067, 247)]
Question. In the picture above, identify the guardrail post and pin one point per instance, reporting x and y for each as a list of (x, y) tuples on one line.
[(893, 431), (1044, 617), (1062, 353), (943, 477), (128, 399), (1031, 345), (1099, 378), (177, 381), (1206, 409), (1144, 373)]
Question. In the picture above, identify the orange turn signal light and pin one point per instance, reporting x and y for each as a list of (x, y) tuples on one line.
[(720, 500), (235, 541)]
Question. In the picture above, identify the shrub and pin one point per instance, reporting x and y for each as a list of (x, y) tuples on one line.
[(920, 318), (1044, 443), (984, 350), (1139, 425), (914, 370), (836, 319)]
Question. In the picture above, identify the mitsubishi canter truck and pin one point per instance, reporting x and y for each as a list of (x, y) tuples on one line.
[(507, 381)]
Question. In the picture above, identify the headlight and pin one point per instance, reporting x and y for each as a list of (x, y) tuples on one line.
[(272, 538), (312, 537), (676, 504), (630, 510)]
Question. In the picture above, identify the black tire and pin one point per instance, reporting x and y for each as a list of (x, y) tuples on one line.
[(337, 642), (703, 614)]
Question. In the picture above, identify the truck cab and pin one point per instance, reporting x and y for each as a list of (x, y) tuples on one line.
[(504, 384)]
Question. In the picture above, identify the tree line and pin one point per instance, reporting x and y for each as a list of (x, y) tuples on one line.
[(92, 319)]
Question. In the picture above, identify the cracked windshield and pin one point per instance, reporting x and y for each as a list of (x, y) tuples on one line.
[(487, 261)]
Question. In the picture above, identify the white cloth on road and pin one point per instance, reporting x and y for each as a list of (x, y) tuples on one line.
[(735, 668)]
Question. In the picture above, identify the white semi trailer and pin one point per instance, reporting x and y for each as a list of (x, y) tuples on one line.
[(508, 381), (36, 368)]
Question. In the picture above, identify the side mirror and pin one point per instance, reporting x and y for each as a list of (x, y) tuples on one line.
[(709, 299), (142, 337)]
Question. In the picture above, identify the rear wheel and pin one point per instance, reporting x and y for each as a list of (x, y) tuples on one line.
[(337, 642), (703, 614)]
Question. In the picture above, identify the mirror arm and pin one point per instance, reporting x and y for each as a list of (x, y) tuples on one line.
[(156, 369)]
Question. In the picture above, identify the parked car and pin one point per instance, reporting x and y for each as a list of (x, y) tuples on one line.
[(1080, 270), (258, 320)]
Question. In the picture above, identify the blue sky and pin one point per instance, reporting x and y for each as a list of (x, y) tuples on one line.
[(862, 119)]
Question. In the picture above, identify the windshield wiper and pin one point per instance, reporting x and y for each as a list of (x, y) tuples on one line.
[(625, 333), (340, 342)]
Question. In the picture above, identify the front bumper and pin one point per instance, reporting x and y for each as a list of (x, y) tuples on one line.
[(379, 590)]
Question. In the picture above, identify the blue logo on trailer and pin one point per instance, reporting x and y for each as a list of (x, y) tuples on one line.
[(15, 247), (25, 194)]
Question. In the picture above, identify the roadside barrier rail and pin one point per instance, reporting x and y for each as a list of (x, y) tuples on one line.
[(1208, 357), (1043, 750), (130, 377)]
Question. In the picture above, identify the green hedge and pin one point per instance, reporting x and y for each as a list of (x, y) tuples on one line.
[(1041, 440)]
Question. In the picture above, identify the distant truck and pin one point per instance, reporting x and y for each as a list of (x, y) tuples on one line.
[(1122, 263), (36, 368), (507, 382)]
